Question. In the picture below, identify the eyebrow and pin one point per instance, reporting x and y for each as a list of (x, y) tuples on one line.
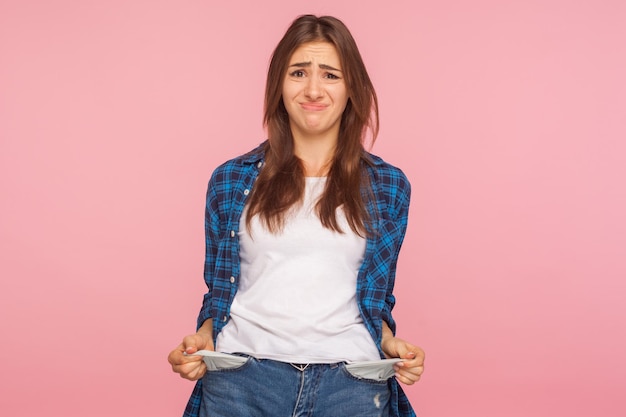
[(308, 64)]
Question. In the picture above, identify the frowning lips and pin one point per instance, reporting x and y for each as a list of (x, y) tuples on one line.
[(313, 106)]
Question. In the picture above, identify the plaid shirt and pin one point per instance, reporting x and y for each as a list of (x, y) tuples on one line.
[(228, 189)]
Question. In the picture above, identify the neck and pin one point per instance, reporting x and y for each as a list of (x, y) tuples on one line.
[(316, 154)]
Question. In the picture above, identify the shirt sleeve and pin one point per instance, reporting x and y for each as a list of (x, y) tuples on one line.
[(400, 195), (211, 233)]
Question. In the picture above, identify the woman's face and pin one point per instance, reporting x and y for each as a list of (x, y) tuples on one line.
[(314, 91)]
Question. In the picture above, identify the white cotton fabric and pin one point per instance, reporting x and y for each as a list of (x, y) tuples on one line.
[(296, 300)]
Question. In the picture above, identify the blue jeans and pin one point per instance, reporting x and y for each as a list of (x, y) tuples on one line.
[(267, 388)]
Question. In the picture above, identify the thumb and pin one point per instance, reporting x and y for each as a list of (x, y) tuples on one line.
[(415, 354), (193, 343), (409, 354), (406, 351)]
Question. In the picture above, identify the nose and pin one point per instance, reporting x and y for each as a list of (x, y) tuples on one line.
[(313, 89)]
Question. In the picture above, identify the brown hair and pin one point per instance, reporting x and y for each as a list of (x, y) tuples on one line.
[(281, 183)]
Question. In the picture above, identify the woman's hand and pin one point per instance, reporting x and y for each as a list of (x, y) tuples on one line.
[(411, 368), (189, 366)]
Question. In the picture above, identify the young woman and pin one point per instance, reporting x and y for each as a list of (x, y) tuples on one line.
[(302, 239)]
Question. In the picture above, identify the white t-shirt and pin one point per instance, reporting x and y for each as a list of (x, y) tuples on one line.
[(296, 300)]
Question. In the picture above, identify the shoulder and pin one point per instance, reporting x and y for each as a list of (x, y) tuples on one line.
[(235, 174), (240, 164), (387, 176), (390, 187)]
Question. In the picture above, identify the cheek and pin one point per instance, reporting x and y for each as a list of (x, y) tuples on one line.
[(288, 101), (343, 101), (289, 90), (342, 96)]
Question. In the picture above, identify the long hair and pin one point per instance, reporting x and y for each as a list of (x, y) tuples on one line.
[(281, 183)]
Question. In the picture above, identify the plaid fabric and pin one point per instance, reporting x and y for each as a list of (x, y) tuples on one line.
[(228, 189)]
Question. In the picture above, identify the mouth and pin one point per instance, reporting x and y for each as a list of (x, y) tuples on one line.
[(313, 106)]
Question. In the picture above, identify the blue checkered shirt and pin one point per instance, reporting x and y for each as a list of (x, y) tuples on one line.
[(228, 189)]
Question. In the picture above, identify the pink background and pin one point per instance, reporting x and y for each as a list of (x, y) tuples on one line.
[(509, 117)]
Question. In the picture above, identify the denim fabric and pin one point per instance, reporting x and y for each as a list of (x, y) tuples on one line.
[(267, 388)]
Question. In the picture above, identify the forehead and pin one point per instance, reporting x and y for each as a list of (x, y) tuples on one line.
[(316, 52)]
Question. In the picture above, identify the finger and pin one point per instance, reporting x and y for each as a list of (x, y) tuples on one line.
[(414, 357), (190, 344), (413, 363), (199, 371), (408, 380), (406, 369), (409, 376), (178, 357), (414, 352), (416, 370), (196, 372), (410, 367), (191, 371), (174, 355), (419, 353), (410, 363)]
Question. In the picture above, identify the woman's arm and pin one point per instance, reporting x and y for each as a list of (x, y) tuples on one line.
[(189, 366), (409, 370), (192, 367)]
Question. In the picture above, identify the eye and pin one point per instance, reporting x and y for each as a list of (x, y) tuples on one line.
[(331, 76), (297, 74)]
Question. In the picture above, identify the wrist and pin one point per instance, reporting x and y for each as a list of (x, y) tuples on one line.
[(205, 333), (387, 337), (206, 328)]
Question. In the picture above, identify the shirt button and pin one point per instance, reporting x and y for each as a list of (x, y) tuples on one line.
[(232, 233), (260, 164), (246, 192), (225, 319), (232, 280)]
